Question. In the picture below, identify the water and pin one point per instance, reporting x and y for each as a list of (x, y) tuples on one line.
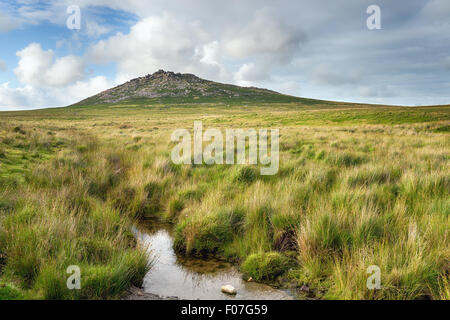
[(192, 278)]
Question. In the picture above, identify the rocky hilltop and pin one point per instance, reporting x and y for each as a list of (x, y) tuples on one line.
[(188, 87)]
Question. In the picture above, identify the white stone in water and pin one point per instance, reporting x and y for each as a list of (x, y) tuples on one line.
[(228, 289)]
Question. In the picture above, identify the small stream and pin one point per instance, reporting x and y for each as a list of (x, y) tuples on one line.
[(194, 278)]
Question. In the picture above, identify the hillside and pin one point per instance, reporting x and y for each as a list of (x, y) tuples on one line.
[(163, 86)]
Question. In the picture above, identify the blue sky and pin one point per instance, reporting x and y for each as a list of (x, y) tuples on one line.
[(304, 48)]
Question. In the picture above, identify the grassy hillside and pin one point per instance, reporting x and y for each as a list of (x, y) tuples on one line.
[(164, 87), (358, 185)]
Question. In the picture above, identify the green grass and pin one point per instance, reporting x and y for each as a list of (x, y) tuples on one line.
[(9, 292), (57, 215), (265, 266), (358, 185), (215, 230)]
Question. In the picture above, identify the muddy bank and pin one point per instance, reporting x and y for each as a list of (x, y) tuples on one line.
[(135, 293)]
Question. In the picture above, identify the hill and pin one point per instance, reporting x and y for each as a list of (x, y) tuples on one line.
[(163, 86)]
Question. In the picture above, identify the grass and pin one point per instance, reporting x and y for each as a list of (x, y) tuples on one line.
[(58, 215), (9, 292), (265, 266), (357, 186)]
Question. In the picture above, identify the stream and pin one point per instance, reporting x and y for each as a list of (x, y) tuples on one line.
[(194, 278)]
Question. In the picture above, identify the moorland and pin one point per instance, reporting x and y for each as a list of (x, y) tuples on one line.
[(357, 185)]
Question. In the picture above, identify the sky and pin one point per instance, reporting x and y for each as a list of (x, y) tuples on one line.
[(308, 48)]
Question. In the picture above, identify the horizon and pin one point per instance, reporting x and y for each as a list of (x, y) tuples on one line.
[(174, 72)]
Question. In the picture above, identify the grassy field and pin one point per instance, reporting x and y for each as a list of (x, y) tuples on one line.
[(357, 186)]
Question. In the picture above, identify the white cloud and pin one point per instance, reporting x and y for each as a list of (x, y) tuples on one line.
[(65, 70), (33, 61), (15, 98), (211, 61), (49, 81), (31, 97), (164, 42), (211, 53), (94, 30), (83, 89), (248, 74), (157, 42), (39, 68)]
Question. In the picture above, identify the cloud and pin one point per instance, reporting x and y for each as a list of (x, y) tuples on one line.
[(265, 43), (33, 61), (437, 10), (211, 60), (83, 89), (33, 12), (249, 73), (2, 66), (210, 53), (65, 70), (335, 76), (31, 97), (154, 43), (49, 81), (181, 45), (446, 62), (162, 42), (39, 68), (94, 30), (372, 92), (263, 35), (14, 98), (7, 23), (324, 47)]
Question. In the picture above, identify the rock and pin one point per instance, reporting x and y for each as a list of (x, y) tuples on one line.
[(163, 84), (228, 289)]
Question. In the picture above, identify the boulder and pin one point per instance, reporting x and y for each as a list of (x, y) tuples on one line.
[(228, 289)]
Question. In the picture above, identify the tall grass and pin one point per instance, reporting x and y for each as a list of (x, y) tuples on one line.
[(355, 188), (337, 210), (60, 217)]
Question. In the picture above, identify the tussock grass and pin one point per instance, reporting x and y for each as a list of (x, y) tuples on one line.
[(265, 266), (357, 186), (202, 235), (58, 217)]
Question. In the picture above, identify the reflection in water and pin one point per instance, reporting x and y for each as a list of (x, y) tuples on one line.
[(190, 278)]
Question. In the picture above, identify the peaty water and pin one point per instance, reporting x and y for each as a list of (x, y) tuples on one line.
[(194, 278)]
